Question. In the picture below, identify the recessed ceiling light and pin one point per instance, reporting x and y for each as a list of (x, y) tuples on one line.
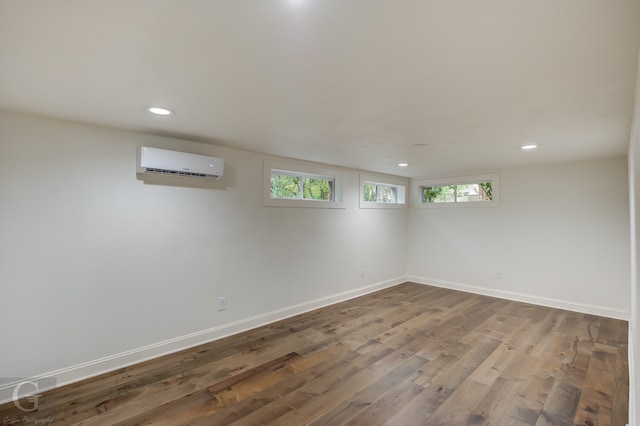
[(528, 147), (159, 110), (403, 164)]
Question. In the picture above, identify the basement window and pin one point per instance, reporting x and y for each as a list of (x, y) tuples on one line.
[(290, 185), (380, 191), (298, 184), (464, 191)]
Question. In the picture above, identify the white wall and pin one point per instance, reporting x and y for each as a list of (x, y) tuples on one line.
[(99, 268), (634, 323), (560, 236)]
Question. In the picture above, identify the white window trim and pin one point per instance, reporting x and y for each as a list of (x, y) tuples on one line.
[(494, 178), (386, 180), (304, 169)]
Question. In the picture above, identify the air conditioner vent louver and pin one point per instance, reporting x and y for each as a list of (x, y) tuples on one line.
[(174, 172), (174, 163)]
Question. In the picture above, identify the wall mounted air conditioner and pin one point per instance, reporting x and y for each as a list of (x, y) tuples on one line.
[(174, 163)]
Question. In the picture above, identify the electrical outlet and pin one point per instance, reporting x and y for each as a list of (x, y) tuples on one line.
[(222, 303), (361, 273), (498, 275)]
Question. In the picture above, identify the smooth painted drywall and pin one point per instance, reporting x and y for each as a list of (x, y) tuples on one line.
[(634, 323), (560, 234), (95, 262)]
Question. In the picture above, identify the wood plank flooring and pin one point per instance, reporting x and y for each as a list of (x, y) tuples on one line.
[(407, 355)]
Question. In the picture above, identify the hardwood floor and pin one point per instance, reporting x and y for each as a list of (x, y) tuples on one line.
[(407, 355)]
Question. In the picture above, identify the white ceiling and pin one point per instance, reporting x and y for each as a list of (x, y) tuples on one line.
[(356, 83)]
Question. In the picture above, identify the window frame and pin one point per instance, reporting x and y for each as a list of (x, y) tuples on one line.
[(305, 170), (384, 180), (494, 178), (303, 177)]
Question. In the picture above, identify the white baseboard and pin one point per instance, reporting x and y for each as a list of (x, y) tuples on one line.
[(107, 364), (526, 298)]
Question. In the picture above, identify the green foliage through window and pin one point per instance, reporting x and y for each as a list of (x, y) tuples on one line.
[(461, 193), (290, 185), (374, 193)]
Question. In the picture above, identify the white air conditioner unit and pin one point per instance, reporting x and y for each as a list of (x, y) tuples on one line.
[(174, 163)]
